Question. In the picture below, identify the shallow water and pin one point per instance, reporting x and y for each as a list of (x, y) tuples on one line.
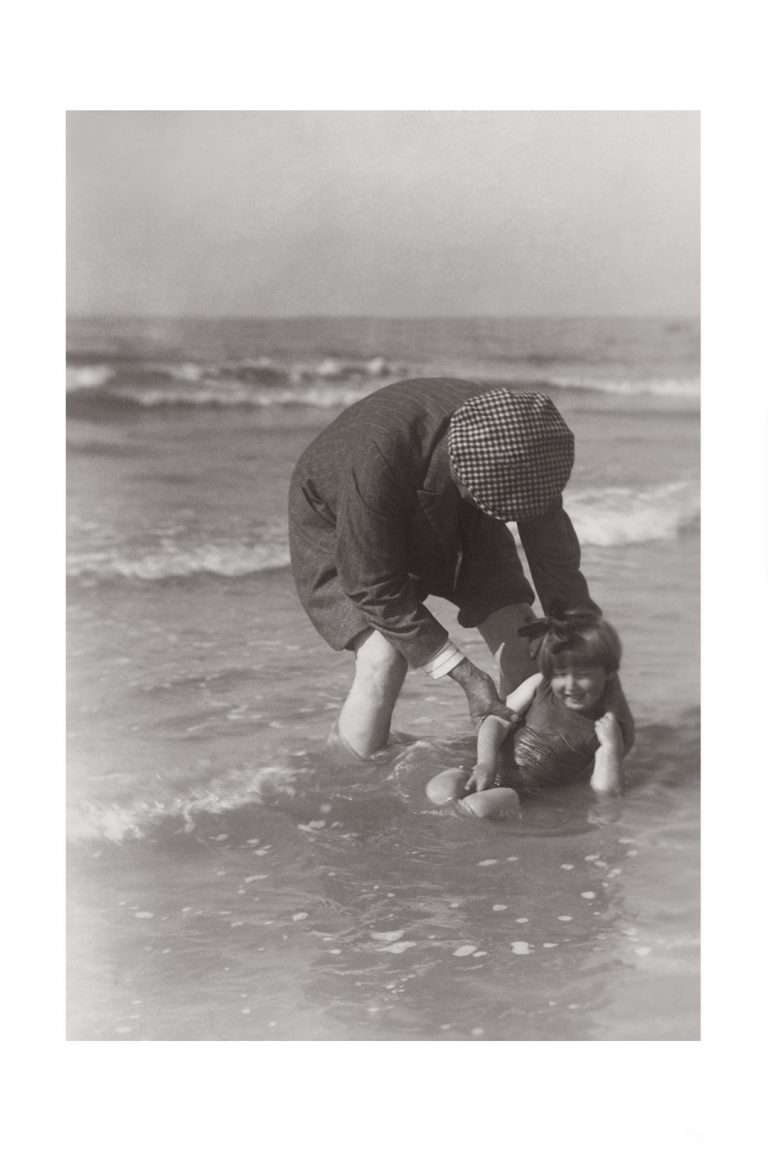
[(230, 879), (339, 906)]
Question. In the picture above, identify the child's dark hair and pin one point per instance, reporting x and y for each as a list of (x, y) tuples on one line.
[(581, 638)]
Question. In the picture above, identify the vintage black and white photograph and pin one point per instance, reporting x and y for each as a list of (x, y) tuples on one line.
[(383, 577)]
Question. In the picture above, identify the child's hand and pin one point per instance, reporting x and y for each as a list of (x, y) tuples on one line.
[(608, 733), (482, 776)]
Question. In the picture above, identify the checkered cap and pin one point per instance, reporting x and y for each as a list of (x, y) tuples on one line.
[(512, 451)]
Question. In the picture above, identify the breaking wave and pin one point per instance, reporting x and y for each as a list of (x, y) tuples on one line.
[(169, 562), (103, 390), (135, 818), (607, 517), (603, 517)]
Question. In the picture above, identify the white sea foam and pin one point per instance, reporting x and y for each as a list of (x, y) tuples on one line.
[(88, 376), (325, 384), (174, 562), (603, 517), (135, 819), (681, 387), (252, 383), (230, 393), (607, 517), (189, 372)]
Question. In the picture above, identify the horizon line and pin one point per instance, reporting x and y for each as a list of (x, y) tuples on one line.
[(383, 316)]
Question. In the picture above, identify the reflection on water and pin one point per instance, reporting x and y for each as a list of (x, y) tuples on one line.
[(342, 906)]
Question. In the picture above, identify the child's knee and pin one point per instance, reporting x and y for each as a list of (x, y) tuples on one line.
[(447, 786), (491, 804)]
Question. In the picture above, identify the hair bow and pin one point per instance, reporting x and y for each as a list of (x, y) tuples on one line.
[(562, 622)]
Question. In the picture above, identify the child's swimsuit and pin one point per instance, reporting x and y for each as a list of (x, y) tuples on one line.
[(554, 745)]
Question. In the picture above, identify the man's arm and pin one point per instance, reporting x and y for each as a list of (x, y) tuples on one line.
[(554, 558)]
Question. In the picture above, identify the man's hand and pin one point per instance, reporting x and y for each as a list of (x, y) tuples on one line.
[(482, 776), (482, 697)]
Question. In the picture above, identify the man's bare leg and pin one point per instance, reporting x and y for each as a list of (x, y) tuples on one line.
[(513, 659), (366, 714)]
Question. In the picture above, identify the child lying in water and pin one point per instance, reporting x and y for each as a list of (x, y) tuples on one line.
[(569, 722)]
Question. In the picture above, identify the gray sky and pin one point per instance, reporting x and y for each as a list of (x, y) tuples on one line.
[(383, 213)]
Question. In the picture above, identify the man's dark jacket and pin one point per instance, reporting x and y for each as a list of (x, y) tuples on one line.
[(377, 524)]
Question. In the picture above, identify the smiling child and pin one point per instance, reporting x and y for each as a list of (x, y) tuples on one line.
[(570, 722)]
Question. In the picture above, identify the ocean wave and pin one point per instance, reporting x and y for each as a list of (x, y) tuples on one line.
[(111, 388), (137, 818), (87, 376), (670, 386), (233, 394), (607, 517), (603, 517), (171, 561), (221, 393), (261, 371)]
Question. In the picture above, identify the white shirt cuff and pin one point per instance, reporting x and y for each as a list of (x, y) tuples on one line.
[(443, 661)]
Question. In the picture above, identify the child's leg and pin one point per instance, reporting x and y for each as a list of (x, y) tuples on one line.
[(448, 785), (491, 803)]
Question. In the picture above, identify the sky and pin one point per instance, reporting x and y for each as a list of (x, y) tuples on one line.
[(383, 213)]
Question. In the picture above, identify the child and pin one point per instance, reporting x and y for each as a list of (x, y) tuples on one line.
[(563, 727)]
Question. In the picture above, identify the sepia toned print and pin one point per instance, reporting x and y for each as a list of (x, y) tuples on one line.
[(232, 873)]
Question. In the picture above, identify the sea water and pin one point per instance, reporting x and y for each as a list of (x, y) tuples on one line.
[(229, 878)]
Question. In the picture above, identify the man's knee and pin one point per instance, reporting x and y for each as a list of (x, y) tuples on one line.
[(501, 625), (377, 663), (512, 652)]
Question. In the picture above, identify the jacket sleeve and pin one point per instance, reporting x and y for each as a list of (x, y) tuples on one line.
[(372, 558), (554, 556)]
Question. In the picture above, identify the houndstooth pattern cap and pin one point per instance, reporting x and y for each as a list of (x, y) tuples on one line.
[(512, 451)]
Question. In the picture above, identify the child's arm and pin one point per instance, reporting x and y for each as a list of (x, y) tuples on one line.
[(607, 776), (492, 731), (490, 737), (519, 701), (617, 704)]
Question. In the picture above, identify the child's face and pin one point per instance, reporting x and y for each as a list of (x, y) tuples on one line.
[(579, 687)]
